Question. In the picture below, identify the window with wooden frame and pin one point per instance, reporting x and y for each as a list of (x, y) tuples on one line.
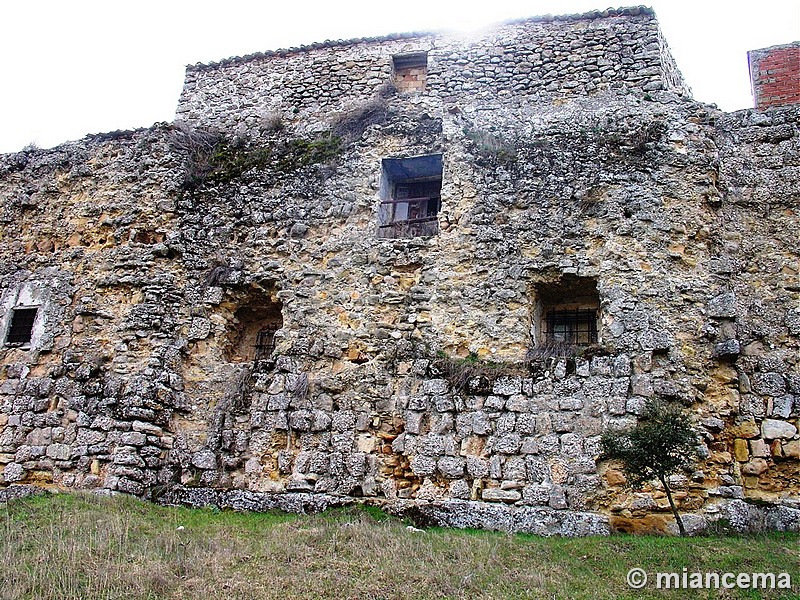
[(411, 190)]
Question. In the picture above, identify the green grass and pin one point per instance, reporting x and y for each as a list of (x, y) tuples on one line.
[(82, 546)]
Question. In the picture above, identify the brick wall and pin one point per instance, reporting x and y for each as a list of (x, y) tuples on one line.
[(775, 75)]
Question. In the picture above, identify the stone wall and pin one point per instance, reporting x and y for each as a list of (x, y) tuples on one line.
[(407, 371), (539, 59)]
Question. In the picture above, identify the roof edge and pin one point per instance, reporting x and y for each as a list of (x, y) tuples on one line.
[(630, 11)]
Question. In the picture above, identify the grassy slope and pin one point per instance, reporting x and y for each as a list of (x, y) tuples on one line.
[(82, 546)]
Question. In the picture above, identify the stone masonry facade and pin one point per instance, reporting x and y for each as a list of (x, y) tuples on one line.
[(424, 271)]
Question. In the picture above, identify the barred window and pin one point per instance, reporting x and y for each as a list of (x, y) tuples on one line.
[(565, 312), (265, 341), (254, 327), (20, 329), (576, 326)]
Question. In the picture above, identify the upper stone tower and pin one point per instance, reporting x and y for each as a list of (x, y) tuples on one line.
[(619, 52)]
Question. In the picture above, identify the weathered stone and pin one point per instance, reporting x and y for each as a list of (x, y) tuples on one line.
[(782, 406), (713, 423), (435, 386), (768, 384), (740, 451), (507, 386), (133, 438), (772, 429), (423, 465), (558, 499), (59, 451), (722, 306), (477, 467), (791, 449), (746, 428), (451, 467), (13, 472), (498, 495), (506, 444), (459, 489), (755, 467), (759, 448), (281, 328), (727, 348), (204, 459)]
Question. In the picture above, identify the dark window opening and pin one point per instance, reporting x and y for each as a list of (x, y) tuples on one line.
[(573, 327), (20, 330), (410, 71), (411, 190), (265, 341), (566, 313), (254, 328)]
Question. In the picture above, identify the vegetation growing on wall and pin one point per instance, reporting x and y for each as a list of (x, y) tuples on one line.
[(214, 158), (352, 124), (493, 148), (661, 444), (471, 373)]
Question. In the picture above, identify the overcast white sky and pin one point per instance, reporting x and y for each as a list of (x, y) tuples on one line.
[(86, 66)]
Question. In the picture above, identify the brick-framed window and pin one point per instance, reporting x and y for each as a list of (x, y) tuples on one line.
[(410, 71)]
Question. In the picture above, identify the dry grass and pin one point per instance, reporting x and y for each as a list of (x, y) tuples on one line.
[(81, 546)]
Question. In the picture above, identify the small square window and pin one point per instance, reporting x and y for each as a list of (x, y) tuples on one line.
[(566, 313), (20, 329), (411, 190), (410, 71)]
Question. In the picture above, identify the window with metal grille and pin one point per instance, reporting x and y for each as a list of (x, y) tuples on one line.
[(571, 326), (20, 330), (265, 341), (565, 313)]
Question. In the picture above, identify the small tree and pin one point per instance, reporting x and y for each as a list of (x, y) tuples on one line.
[(662, 443)]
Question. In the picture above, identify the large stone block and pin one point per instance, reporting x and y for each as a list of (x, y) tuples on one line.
[(772, 429)]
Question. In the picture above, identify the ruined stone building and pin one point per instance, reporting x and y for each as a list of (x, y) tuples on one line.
[(425, 271)]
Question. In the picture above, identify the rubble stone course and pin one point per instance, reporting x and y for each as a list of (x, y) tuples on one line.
[(406, 372)]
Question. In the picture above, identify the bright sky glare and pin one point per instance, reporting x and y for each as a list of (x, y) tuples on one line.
[(89, 66)]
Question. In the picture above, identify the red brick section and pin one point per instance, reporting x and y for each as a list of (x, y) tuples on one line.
[(775, 75), (411, 79)]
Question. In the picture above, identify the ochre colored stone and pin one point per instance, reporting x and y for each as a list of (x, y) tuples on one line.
[(776, 448), (615, 477), (791, 449), (723, 458), (740, 450), (755, 467), (746, 429)]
